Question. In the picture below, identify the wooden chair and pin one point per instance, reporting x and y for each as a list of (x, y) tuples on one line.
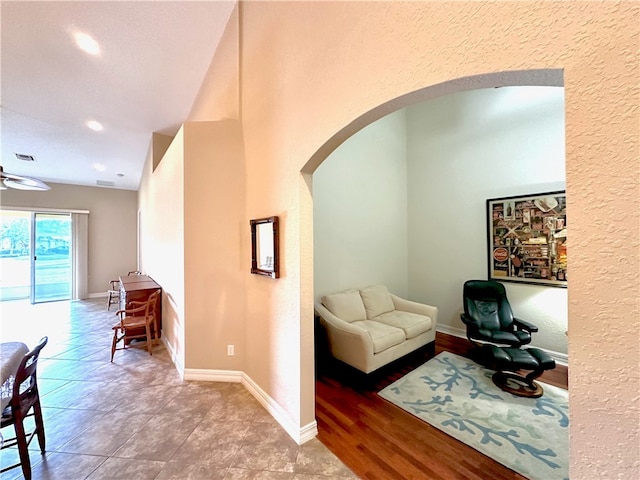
[(113, 293), (139, 321), (25, 398)]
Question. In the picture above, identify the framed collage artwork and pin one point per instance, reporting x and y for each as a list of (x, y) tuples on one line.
[(527, 237)]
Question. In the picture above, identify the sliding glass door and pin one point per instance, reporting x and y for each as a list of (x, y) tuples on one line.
[(51, 262), (35, 256)]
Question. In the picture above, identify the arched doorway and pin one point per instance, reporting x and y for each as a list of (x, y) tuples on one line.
[(542, 77), (385, 113)]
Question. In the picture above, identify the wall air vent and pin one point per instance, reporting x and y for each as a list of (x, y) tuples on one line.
[(26, 158), (105, 183)]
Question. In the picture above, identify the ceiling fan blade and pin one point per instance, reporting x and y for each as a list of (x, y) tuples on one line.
[(20, 182)]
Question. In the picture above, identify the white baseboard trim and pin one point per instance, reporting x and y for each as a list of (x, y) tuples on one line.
[(98, 295), (299, 435), (560, 358), (204, 375), (455, 331), (309, 431), (174, 358)]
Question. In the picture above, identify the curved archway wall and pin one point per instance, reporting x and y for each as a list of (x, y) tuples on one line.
[(302, 71), (301, 85)]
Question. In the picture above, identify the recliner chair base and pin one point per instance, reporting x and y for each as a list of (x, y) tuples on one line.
[(508, 361), (517, 385)]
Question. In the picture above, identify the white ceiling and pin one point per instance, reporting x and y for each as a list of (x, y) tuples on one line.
[(154, 56)]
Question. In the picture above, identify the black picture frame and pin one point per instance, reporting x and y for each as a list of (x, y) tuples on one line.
[(265, 258), (526, 239)]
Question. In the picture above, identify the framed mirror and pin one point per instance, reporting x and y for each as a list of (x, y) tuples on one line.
[(264, 247)]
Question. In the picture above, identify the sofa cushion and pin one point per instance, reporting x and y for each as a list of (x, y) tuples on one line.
[(345, 305), (384, 336), (377, 300), (412, 323)]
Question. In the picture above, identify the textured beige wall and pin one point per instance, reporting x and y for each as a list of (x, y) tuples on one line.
[(112, 225), (309, 69), (220, 97), (161, 204), (313, 73), (193, 224), (215, 227)]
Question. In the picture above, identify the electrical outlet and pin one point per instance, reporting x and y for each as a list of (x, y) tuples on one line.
[(231, 351)]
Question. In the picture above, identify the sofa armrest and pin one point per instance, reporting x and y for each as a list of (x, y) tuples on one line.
[(415, 307), (347, 342)]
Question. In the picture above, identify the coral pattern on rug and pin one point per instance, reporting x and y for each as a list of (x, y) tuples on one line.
[(457, 396)]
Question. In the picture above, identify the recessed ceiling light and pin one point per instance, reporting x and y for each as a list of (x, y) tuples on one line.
[(26, 158), (95, 125), (86, 43), (99, 167)]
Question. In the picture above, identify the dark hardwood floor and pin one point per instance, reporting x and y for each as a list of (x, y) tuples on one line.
[(380, 441)]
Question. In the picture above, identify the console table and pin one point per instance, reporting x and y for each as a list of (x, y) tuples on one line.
[(138, 288)]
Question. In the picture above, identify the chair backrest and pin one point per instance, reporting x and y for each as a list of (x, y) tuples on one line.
[(25, 385), (486, 302), (134, 272), (150, 310)]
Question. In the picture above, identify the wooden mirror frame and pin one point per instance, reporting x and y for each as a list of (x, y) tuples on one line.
[(260, 230)]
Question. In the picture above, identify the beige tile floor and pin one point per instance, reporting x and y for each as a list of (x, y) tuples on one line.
[(135, 419)]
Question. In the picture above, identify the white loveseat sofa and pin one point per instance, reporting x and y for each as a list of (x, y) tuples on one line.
[(371, 327)]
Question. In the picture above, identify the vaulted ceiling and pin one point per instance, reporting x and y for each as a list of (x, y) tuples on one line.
[(148, 64)]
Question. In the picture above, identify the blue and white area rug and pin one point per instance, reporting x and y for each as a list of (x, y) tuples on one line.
[(457, 396)]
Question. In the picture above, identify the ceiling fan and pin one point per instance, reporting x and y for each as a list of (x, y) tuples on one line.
[(20, 182)]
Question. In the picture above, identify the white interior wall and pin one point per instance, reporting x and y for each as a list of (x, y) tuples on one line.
[(463, 149), (360, 211), (460, 150)]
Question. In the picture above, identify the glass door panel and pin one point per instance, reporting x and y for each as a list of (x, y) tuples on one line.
[(51, 265), (15, 255)]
